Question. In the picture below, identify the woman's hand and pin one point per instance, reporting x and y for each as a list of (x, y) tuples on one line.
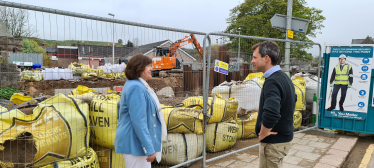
[(152, 157)]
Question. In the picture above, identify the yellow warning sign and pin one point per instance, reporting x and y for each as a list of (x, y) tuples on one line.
[(223, 65), (290, 34)]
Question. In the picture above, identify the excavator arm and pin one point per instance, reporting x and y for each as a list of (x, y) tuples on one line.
[(183, 42)]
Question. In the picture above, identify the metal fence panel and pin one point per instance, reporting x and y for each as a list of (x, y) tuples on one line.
[(26, 57), (192, 84)]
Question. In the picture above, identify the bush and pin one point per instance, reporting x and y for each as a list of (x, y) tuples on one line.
[(7, 92)]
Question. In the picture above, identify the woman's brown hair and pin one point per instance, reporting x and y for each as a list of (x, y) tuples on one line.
[(136, 66)]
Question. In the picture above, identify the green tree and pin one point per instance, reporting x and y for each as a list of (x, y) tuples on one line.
[(47, 60), (129, 44), (253, 17), (31, 46), (368, 40), (120, 41), (16, 21)]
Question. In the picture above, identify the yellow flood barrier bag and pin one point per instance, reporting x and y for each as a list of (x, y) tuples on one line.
[(32, 75), (90, 161), (300, 88), (297, 118), (183, 120), (58, 126), (108, 158), (257, 77), (221, 136), (78, 68), (247, 126), (19, 99), (82, 90), (103, 119), (220, 109), (88, 74), (179, 148)]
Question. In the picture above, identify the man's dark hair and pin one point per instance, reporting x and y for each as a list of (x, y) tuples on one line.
[(269, 48), (136, 66)]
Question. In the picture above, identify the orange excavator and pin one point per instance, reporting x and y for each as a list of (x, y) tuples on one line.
[(166, 58)]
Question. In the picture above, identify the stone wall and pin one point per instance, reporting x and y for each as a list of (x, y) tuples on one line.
[(9, 44), (9, 76)]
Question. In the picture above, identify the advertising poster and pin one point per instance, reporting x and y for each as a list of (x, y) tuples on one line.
[(348, 84)]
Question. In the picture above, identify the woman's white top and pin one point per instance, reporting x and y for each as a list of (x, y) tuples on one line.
[(163, 125)]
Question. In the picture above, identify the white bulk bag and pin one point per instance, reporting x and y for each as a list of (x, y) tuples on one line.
[(311, 88), (247, 93)]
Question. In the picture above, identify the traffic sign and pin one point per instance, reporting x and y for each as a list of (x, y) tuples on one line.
[(298, 25)]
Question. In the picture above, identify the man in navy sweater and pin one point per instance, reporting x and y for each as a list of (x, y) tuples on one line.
[(274, 125)]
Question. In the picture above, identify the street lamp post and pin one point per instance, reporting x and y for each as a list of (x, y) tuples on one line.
[(113, 37)]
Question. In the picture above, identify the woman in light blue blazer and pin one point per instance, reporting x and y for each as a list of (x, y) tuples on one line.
[(141, 125)]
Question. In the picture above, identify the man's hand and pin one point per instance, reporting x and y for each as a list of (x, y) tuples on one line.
[(349, 86), (264, 133), (150, 158), (331, 85), (261, 137)]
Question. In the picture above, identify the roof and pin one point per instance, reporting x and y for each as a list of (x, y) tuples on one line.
[(145, 49), (357, 41), (50, 49), (103, 50), (4, 32), (67, 47)]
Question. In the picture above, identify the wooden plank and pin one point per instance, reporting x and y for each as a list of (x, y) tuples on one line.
[(211, 78), (185, 77)]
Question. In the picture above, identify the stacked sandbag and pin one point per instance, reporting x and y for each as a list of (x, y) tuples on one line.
[(183, 119), (179, 148), (247, 93), (58, 128), (300, 87), (78, 68), (221, 136), (108, 158), (297, 119), (103, 119), (247, 125), (33, 76), (90, 161), (220, 109)]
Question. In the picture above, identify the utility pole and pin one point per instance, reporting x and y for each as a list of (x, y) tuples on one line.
[(287, 49), (113, 37)]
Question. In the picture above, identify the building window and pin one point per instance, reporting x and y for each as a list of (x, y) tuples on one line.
[(14, 50), (83, 49)]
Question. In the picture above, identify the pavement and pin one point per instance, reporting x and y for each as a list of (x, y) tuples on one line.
[(307, 151)]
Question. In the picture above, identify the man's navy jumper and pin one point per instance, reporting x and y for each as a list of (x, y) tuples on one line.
[(277, 106)]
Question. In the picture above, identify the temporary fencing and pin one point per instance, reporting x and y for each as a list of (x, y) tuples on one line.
[(208, 115)]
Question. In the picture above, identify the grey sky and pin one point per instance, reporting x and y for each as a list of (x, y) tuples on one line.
[(345, 20)]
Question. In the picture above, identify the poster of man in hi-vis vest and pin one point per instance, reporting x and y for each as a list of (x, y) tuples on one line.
[(340, 79), (348, 81)]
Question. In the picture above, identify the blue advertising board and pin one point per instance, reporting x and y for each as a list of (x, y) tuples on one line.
[(348, 82)]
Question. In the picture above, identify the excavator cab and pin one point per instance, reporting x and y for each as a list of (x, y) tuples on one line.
[(162, 61)]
